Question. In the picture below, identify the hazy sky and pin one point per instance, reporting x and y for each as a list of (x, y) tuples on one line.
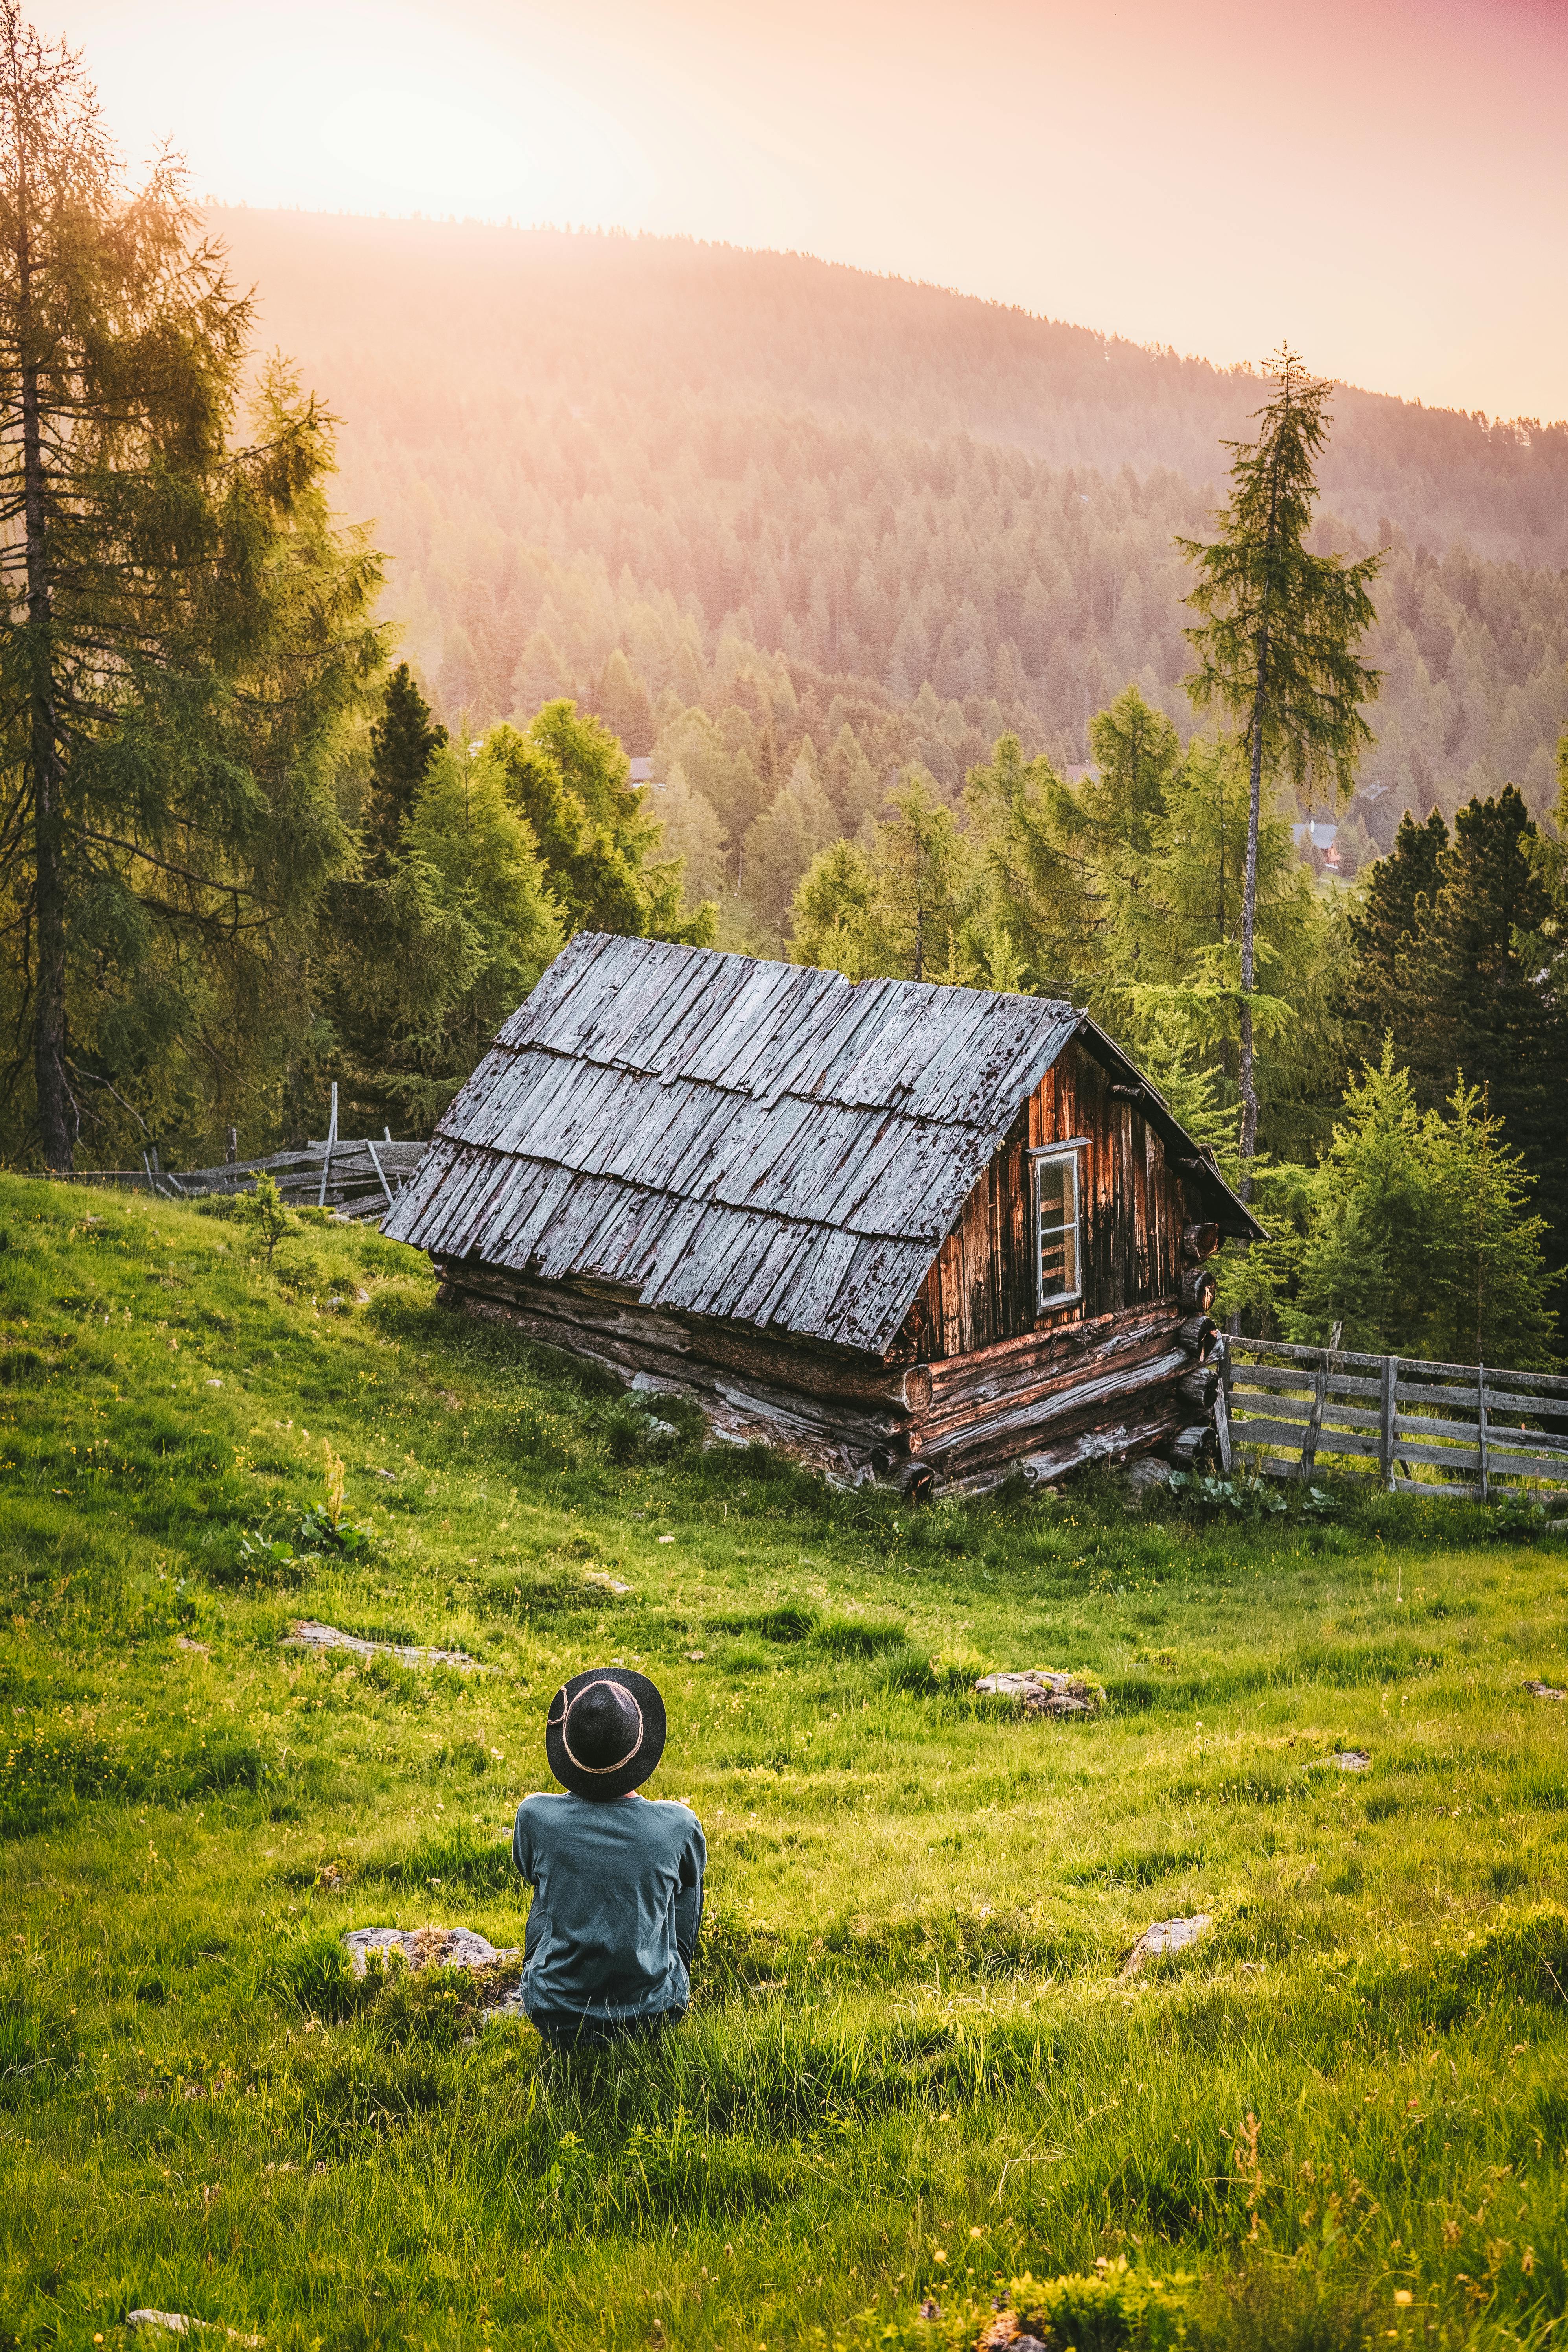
[(1384, 181)]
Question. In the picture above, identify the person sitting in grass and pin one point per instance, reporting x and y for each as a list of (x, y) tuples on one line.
[(616, 1878)]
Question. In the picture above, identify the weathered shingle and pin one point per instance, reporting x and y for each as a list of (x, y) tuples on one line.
[(731, 1138)]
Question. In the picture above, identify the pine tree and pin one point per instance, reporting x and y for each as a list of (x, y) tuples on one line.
[(1386, 928), (403, 742), (1420, 1239), (181, 630), (1276, 636), (1481, 999)]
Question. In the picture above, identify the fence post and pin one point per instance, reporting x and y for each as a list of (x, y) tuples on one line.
[(231, 1149), (1385, 1444), (1314, 1421), (1222, 1410), (1481, 1432), (327, 1155)]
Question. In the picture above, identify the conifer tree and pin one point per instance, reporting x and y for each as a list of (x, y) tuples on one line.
[(403, 742), (1421, 1239), (598, 839), (894, 910), (1481, 999), (1386, 928), (1277, 629), (180, 630)]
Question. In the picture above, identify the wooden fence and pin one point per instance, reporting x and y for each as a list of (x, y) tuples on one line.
[(358, 1177), (1465, 1429)]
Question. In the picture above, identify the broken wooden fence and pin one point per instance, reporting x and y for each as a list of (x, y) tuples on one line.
[(357, 1177), (1461, 1429)]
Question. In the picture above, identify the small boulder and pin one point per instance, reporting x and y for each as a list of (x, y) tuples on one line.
[(1545, 1690), (425, 1948), (1343, 1760), (1144, 1477), (1045, 1690), (176, 2322), (1166, 1935)]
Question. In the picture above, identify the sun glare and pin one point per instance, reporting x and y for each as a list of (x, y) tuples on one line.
[(554, 157)]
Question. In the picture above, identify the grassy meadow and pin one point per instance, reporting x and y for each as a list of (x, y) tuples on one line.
[(914, 2071)]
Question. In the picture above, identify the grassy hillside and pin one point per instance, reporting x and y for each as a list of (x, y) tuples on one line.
[(912, 2070), (768, 485)]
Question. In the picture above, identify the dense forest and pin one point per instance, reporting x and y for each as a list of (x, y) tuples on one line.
[(895, 598), (662, 478)]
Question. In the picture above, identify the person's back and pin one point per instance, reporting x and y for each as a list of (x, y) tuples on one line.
[(617, 1897), (617, 1878)]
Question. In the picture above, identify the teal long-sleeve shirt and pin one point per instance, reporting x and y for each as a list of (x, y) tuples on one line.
[(618, 1900)]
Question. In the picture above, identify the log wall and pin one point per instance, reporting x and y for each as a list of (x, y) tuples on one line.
[(981, 1289)]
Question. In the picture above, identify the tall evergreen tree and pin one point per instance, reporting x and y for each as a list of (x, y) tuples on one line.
[(1386, 929), (1035, 914), (180, 632), (403, 742), (1481, 1002), (1277, 629)]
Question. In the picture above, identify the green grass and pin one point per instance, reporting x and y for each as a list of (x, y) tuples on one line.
[(912, 2070)]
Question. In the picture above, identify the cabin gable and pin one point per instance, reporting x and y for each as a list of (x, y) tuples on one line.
[(982, 1288)]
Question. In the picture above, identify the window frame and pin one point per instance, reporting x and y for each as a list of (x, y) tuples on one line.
[(1058, 1155)]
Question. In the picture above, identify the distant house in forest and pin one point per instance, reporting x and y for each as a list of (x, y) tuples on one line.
[(923, 1233), (641, 772), (1320, 834)]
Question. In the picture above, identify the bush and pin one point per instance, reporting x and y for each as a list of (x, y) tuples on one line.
[(1101, 2312)]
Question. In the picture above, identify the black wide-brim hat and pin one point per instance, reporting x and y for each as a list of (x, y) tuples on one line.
[(604, 1731)]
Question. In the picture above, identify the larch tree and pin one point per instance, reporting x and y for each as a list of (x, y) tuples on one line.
[(1277, 641), (181, 630)]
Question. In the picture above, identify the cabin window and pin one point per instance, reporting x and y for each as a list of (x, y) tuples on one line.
[(1058, 1222)]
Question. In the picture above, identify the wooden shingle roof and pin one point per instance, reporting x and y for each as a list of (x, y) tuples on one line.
[(776, 1146)]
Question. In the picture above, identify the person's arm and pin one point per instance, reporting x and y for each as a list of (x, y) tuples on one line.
[(689, 1895), (523, 1845)]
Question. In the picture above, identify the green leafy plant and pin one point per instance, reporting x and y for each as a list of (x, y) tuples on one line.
[(1254, 1495), (268, 1214), (323, 1528)]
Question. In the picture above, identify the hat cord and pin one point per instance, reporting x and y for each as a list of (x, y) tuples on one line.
[(601, 1771)]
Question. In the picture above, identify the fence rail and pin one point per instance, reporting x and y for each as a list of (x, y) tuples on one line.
[(1465, 1429), (357, 1177)]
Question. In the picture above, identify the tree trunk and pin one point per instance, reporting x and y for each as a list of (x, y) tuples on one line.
[(56, 1108), (1249, 928)]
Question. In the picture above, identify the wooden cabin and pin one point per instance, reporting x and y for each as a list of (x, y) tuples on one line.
[(927, 1234)]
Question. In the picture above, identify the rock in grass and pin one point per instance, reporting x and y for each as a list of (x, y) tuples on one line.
[(425, 1948), (1166, 1935), (306, 1634), (1045, 1690), (1145, 1476), (176, 2323), (1544, 1690), (1343, 1760)]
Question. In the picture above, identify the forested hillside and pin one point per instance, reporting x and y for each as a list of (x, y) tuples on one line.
[(662, 475)]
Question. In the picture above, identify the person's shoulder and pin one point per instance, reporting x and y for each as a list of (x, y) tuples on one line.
[(673, 1811), (540, 1806)]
